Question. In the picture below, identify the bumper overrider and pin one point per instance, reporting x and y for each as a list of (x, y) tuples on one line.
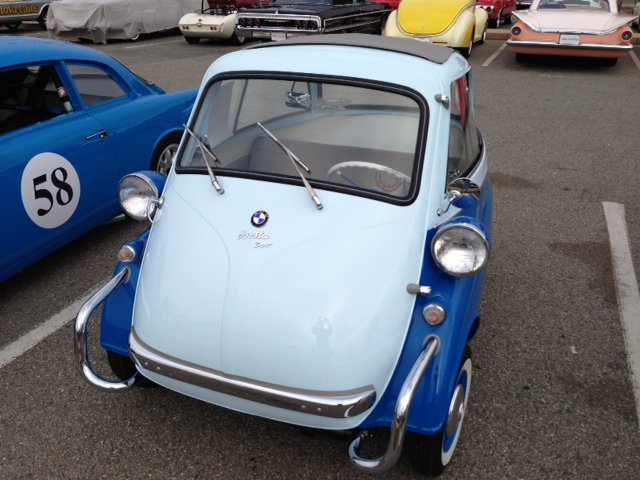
[(334, 404)]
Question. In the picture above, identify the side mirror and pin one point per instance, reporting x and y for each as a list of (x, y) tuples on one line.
[(461, 193)]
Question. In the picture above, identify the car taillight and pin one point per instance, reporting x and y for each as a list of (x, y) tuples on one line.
[(627, 34), (515, 31)]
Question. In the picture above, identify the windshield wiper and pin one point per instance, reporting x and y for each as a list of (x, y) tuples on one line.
[(295, 161), (204, 148)]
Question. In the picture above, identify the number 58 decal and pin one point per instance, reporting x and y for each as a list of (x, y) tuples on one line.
[(50, 190)]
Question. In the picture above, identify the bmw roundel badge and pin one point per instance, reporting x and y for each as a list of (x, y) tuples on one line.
[(259, 219)]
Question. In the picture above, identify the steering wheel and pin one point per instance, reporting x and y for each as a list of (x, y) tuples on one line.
[(384, 179)]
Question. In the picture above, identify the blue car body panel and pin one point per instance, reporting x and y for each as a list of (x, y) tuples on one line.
[(134, 125)]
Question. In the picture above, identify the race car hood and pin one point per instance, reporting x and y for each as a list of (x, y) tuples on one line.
[(314, 299), (573, 20), (430, 17)]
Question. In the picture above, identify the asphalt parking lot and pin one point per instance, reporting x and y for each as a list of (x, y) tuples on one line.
[(552, 396)]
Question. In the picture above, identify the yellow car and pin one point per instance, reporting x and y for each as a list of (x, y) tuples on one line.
[(454, 23)]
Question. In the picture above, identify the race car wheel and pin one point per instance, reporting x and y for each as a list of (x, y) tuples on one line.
[(12, 27), (163, 156), (430, 454), (192, 40)]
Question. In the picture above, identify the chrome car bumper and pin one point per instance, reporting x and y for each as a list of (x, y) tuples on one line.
[(582, 46), (81, 337), (334, 404)]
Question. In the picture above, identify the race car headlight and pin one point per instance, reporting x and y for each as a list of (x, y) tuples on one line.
[(460, 249), (137, 193)]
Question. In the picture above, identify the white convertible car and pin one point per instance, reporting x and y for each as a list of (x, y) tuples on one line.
[(103, 20), (217, 20)]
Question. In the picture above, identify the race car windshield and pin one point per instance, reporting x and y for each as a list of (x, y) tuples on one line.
[(336, 136)]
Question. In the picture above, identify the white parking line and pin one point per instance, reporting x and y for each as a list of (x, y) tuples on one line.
[(627, 291), (494, 55), (635, 59), (30, 339), (154, 44)]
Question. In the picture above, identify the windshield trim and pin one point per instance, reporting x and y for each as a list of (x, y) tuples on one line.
[(293, 179)]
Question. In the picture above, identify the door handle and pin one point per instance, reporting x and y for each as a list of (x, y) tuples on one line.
[(98, 135)]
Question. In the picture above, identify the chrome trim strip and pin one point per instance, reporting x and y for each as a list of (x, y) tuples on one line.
[(401, 416), (81, 336), (586, 46), (333, 404)]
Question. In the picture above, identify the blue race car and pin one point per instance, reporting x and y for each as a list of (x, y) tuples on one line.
[(318, 253), (73, 121)]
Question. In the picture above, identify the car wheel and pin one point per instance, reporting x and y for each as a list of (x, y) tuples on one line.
[(12, 27), (430, 454), (192, 40), (236, 40), (484, 36), (122, 367), (135, 37), (42, 19), (466, 52), (507, 20), (162, 159)]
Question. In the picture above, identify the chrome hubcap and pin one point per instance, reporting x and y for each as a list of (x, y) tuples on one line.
[(456, 410), (166, 158)]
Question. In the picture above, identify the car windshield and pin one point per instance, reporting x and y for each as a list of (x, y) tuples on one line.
[(353, 138), (586, 4)]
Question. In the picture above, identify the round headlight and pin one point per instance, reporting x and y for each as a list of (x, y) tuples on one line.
[(460, 249), (515, 31), (135, 193)]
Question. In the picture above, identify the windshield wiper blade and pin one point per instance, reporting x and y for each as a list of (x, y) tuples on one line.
[(295, 161), (204, 148), (291, 155)]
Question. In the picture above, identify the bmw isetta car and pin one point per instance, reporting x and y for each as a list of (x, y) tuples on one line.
[(318, 251)]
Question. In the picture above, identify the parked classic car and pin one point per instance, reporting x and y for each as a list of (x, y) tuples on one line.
[(578, 28), (103, 20), (14, 12), (499, 11), (73, 121), (291, 18), (216, 20), (334, 271), (455, 23)]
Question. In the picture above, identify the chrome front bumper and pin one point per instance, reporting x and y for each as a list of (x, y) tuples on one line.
[(81, 337), (334, 404), (400, 417)]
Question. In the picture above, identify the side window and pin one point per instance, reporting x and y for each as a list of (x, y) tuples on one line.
[(94, 85), (464, 140), (30, 95)]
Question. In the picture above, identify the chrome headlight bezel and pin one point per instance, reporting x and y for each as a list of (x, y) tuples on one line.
[(460, 232), (136, 193)]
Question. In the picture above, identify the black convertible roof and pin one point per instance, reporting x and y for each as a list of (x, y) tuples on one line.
[(409, 46)]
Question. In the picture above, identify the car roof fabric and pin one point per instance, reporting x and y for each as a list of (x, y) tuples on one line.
[(427, 51)]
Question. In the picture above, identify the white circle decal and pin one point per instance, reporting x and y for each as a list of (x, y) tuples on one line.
[(50, 190)]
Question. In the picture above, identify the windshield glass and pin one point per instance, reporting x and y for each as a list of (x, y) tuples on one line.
[(355, 138), (587, 4)]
